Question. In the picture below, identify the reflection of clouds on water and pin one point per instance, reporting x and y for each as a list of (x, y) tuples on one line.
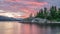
[(10, 27), (23, 28)]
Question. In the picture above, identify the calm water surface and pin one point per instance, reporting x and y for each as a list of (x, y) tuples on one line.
[(23, 28)]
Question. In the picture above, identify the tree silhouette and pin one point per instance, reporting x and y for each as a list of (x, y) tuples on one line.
[(45, 13), (54, 14), (58, 14), (40, 14)]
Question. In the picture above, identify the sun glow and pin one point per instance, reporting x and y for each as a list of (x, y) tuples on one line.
[(9, 15)]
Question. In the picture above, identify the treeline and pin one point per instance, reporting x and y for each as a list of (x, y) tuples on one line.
[(52, 14)]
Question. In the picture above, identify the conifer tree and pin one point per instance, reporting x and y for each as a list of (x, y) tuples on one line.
[(53, 15), (40, 14), (53, 12), (58, 15), (59, 12), (45, 12), (56, 12)]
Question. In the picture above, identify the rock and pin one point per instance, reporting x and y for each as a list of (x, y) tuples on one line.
[(39, 20)]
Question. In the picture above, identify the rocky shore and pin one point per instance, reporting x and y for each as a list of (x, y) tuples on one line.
[(37, 20)]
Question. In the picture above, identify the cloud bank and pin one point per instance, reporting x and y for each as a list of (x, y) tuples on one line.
[(26, 6)]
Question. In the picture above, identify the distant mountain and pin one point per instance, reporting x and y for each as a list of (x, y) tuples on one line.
[(4, 18)]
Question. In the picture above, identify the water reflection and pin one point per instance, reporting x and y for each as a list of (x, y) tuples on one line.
[(24, 28)]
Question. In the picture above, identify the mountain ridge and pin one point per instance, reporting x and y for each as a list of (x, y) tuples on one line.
[(4, 18)]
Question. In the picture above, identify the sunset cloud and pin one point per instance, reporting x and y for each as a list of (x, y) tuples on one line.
[(27, 6), (36, 3)]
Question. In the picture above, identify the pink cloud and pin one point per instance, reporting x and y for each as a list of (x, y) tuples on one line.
[(28, 6), (12, 0), (36, 3)]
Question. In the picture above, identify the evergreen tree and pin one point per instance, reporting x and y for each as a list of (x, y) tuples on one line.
[(53, 12), (53, 15), (58, 15), (45, 13), (59, 12), (56, 12), (40, 14)]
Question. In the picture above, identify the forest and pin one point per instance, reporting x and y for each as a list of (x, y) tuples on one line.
[(52, 14)]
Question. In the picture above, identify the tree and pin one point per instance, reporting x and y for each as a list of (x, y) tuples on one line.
[(59, 12), (53, 12), (45, 13), (58, 15), (40, 14)]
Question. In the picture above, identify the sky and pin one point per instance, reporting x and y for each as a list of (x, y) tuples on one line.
[(23, 8)]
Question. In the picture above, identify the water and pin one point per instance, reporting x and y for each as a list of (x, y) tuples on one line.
[(15, 27)]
